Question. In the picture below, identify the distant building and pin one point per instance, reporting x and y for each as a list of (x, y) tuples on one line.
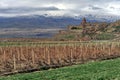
[(83, 23)]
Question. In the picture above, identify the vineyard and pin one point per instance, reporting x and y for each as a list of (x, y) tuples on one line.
[(25, 56)]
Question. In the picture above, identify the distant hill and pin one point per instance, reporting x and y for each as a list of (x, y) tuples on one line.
[(37, 22), (47, 22), (31, 26), (91, 31)]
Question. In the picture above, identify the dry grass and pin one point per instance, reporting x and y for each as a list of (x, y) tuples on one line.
[(21, 58)]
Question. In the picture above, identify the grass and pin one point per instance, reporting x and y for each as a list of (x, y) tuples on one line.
[(67, 36), (104, 70), (105, 36), (45, 43)]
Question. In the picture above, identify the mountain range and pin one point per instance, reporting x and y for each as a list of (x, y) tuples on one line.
[(46, 21), (26, 26)]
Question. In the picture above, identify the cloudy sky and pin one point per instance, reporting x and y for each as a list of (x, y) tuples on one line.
[(59, 7)]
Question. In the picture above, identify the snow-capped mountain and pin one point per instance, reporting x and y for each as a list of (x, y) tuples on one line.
[(46, 21)]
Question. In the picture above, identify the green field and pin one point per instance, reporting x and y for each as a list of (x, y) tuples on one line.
[(57, 43), (100, 70)]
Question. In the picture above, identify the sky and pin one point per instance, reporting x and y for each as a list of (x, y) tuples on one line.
[(9, 8)]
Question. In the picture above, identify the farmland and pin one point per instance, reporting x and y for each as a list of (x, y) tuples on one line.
[(99, 70), (28, 56)]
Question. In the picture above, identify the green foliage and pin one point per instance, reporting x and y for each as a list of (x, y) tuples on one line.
[(117, 29), (69, 36), (76, 28), (105, 36), (104, 70)]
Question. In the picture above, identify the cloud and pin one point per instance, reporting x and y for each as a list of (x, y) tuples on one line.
[(59, 7), (27, 9)]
